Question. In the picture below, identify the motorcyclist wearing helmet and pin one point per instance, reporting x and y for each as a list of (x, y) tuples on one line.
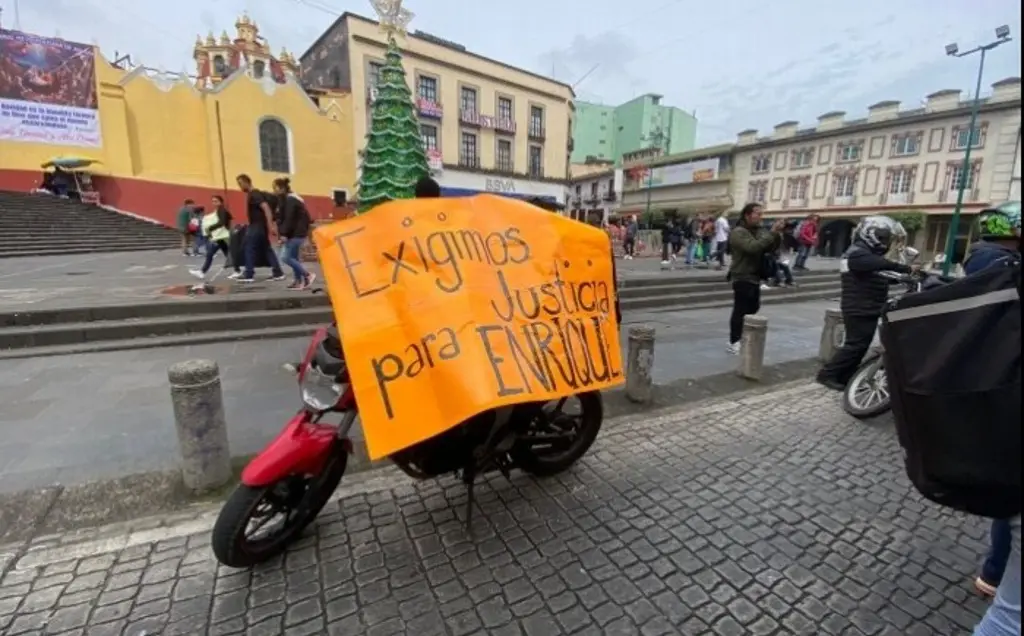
[(999, 231), (864, 294)]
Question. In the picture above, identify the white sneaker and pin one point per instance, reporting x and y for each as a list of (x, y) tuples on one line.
[(763, 286), (734, 348), (665, 263), (235, 275), (197, 273)]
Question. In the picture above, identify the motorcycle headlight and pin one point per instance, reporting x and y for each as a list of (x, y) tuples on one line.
[(319, 392)]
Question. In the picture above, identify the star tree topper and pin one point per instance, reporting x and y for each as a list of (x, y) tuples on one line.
[(394, 18)]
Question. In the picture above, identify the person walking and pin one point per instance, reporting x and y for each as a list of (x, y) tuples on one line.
[(749, 243), (184, 226), (260, 232), (806, 238), (721, 239), (629, 243), (294, 231), (216, 227)]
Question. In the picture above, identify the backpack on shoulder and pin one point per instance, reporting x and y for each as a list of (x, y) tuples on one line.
[(953, 363)]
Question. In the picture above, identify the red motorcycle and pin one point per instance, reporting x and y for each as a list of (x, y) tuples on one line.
[(285, 487)]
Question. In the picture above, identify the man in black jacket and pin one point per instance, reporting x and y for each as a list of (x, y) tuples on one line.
[(864, 294)]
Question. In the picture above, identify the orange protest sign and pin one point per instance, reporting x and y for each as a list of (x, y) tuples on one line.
[(450, 307)]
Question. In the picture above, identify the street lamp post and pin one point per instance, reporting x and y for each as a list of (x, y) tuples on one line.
[(657, 137), (952, 50)]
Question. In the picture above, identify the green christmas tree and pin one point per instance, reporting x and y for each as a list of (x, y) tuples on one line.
[(394, 159)]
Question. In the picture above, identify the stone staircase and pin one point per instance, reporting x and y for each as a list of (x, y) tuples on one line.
[(41, 225)]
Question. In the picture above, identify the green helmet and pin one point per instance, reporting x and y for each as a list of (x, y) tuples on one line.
[(1000, 222)]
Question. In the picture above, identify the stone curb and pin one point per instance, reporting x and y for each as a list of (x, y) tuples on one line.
[(58, 508)]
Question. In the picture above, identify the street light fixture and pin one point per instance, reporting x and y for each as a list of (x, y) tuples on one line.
[(952, 50)]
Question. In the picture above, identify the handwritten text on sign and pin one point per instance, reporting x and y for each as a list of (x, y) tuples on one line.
[(450, 307)]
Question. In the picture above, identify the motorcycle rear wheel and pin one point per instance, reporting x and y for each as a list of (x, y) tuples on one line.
[(230, 542), (559, 458), (867, 394)]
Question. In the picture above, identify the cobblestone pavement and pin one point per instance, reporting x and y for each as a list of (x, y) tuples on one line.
[(763, 515)]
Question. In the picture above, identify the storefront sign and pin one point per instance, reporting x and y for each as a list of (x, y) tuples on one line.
[(460, 183), (429, 109), (680, 173), (434, 160), (501, 186)]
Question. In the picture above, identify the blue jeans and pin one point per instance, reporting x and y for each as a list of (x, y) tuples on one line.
[(256, 242), (691, 250), (802, 253), (290, 256), (1003, 615), (1001, 541)]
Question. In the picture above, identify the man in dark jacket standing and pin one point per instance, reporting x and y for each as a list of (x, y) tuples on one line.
[(864, 294), (748, 243)]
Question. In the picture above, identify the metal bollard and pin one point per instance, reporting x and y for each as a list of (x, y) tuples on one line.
[(755, 333), (199, 420), (640, 365), (832, 334)]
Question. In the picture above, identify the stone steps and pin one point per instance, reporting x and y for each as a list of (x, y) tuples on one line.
[(240, 315)]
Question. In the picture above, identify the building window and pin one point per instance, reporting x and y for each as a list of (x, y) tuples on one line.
[(258, 69), (426, 88), (901, 181), (468, 156), (373, 78), (957, 174), (760, 164), (802, 158), (219, 67), (848, 152), (274, 155), (503, 159), (578, 187), (505, 109), (757, 192), (845, 185), (537, 122), (428, 133), (467, 100), (960, 137), (906, 145), (536, 161), (797, 189)]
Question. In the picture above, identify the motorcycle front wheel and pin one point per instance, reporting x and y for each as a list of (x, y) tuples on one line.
[(556, 440), (257, 523), (867, 394)]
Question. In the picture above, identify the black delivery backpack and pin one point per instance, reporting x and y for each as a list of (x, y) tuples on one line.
[(952, 358)]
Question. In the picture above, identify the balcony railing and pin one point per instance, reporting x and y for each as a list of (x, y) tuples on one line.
[(794, 203), (970, 194), (469, 161), (896, 198), (536, 131), (503, 166), (843, 201), (609, 196), (536, 172)]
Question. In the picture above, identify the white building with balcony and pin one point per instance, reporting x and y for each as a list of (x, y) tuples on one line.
[(894, 161), (594, 195)]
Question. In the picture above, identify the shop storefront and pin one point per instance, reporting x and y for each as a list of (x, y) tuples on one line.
[(455, 183)]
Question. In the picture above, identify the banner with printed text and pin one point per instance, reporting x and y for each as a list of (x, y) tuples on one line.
[(48, 91), (449, 307)]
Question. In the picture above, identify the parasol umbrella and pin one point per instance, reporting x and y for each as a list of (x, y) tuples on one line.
[(70, 162)]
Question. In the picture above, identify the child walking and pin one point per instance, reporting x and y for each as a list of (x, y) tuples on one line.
[(216, 227)]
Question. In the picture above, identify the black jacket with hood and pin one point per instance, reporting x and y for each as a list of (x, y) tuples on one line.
[(864, 292), (294, 217)]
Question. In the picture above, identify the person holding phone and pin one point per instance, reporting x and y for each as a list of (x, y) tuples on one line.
[(749, 243)]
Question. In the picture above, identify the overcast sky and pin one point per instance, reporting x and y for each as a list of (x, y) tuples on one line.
[(737, 63)]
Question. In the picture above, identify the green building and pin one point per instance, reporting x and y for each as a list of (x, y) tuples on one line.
[(606, 133)]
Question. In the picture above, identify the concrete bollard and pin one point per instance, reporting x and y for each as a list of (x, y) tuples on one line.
[(832, 334), (199, 419), (640, 365), (755, 333)]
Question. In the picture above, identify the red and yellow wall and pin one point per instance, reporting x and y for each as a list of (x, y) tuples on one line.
[(164, 140)]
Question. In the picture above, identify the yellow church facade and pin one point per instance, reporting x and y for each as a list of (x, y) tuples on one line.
[(165, 137)]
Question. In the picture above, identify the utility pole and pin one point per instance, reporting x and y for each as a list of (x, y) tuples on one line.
[(952, 50), (657, 138)]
